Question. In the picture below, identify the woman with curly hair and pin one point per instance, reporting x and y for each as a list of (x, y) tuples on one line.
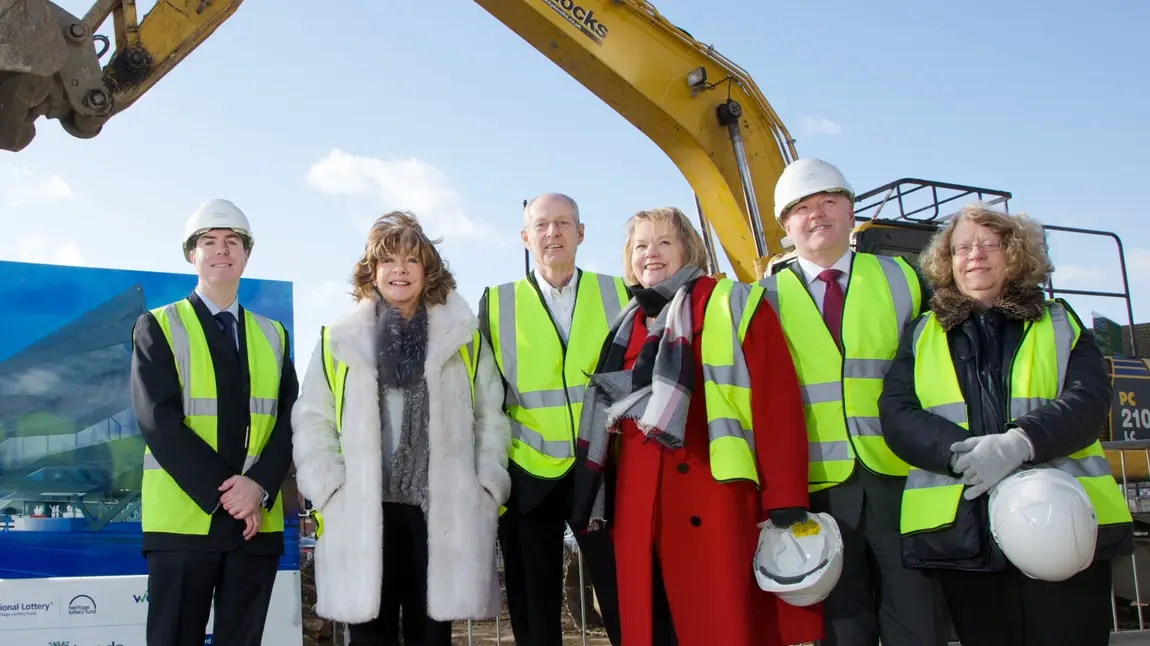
[(993, 379), (400, 442)]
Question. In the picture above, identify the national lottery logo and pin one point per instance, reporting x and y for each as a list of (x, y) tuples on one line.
[(24, 608)]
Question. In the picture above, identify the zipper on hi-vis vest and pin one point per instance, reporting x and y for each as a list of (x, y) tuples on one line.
[(572, 425), (1008, 371)]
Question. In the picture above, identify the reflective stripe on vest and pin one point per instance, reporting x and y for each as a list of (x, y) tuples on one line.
[(166, 507), (336, 373), (546, 381), (840, 395), (1037, 375), (727, 382)]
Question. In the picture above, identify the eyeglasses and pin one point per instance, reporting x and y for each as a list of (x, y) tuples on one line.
[(987, 246)]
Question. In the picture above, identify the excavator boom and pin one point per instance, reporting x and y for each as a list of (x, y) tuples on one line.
[(149, 49), (701, 109)]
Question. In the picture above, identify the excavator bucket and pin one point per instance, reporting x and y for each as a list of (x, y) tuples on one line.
[(30, 38), (48, 67)]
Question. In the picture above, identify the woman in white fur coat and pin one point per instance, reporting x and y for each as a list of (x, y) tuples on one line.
[(409, 486)]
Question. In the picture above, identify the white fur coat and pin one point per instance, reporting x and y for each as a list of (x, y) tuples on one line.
[(467, 474)]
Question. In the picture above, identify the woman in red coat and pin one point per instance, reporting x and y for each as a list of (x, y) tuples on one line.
[(685, 542)]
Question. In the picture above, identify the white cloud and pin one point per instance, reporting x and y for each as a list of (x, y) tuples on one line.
[(821, 126), (407, 184), (21, 187), (42, 249)]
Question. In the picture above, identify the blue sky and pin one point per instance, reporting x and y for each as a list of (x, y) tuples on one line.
[(314, 121)]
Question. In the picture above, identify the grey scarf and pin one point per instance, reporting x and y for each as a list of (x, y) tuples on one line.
[(402, 351)]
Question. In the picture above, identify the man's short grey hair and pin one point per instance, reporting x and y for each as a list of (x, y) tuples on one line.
[(566, 198)]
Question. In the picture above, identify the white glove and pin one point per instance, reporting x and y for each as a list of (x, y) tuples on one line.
[(984, 460)]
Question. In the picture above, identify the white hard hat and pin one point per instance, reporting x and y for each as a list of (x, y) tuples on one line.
[(805, 177), (217, 214), (802, 563), (1044, 523)]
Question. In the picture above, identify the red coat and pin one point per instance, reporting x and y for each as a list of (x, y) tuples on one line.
[(704, 532)]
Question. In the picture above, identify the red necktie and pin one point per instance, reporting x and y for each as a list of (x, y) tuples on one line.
[(833, 303)]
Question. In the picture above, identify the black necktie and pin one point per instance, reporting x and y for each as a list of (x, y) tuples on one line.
[(228, 327)]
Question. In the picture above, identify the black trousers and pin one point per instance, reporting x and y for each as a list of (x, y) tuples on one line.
[(876, 598), (181, 588), (1011, 609), (403, 602), (532, 546)]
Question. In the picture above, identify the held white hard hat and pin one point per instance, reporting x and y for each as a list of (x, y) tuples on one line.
[(217, 214), (805, 177), (802, 563), (1044, 523)]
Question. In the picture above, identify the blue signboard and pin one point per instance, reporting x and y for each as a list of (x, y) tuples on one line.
[(71, 453)]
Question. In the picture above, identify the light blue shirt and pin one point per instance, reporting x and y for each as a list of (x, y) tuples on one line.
[(234, 308)]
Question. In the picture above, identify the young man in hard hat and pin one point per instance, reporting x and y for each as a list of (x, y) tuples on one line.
[(843, 313), (213, 387)]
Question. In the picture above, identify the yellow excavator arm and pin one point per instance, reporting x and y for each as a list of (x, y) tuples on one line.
[(49, 61), (701, 109), (147, 50)]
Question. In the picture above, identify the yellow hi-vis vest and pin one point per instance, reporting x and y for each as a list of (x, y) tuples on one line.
[(727, 382), (546, 381), (336, 373), (840, 394), (1037, 375), (165, 506)]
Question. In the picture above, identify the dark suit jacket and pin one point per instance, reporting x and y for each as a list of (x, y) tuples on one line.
[(195, 467)]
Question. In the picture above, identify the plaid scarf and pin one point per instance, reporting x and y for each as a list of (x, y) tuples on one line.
[(655, 393)]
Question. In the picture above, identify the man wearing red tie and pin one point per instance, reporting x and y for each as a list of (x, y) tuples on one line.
[(842, 313)]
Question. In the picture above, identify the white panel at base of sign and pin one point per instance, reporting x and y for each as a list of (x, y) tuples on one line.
[(113, 611)]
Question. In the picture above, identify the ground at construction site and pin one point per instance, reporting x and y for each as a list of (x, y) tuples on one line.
[(320, 632)]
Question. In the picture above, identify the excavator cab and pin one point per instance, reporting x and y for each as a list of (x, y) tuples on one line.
[(913, 210)]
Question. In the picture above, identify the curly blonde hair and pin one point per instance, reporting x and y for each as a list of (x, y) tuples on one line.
[(399, 233), (694, 251), (1023, 243)]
